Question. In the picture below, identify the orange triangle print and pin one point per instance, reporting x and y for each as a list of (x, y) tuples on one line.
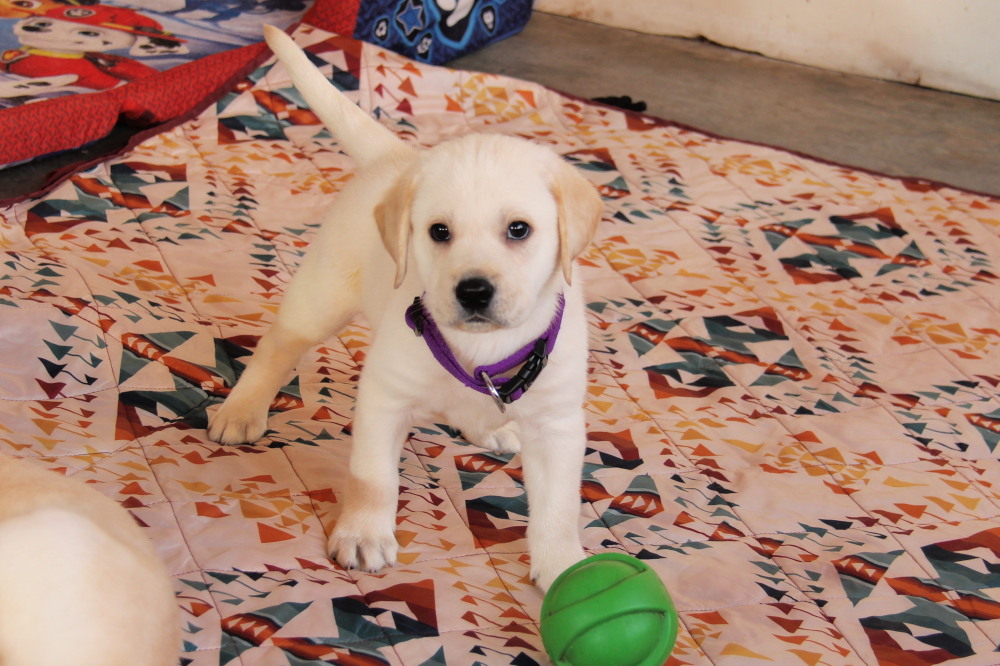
[(270, 534)]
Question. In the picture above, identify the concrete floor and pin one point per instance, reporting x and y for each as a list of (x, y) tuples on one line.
[(887, 127)]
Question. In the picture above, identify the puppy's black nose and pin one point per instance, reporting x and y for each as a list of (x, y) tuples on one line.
[(474, 294)]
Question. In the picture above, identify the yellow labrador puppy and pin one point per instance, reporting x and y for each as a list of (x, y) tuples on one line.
[(80, 584), (461, 258)]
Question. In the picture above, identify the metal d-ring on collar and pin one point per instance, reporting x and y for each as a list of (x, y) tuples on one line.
[(487, 379)]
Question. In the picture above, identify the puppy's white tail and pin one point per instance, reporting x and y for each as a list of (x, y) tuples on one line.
[(361, 136)]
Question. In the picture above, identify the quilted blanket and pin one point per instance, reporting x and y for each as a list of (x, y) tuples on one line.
[(793, 404)]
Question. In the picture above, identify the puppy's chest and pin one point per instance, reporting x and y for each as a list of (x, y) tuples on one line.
[(442, 394)]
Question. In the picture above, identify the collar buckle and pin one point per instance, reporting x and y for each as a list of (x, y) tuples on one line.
[(513, 388)]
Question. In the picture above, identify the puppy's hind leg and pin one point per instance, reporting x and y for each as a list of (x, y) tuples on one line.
[(504, 439), (316, 306)]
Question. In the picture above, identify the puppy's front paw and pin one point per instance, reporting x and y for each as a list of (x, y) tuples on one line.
[(368, 548), (545, 568), (237, 422)]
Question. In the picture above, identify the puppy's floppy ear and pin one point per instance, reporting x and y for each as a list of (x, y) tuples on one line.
[(579, 208), (392, 215)]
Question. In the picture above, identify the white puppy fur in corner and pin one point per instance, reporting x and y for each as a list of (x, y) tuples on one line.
[(80, 584), (486, 228)]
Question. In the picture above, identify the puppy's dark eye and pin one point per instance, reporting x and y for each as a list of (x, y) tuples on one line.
[(440, 233), (518, 230)]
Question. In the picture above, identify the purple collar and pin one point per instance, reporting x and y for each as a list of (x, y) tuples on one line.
[(486, 378)]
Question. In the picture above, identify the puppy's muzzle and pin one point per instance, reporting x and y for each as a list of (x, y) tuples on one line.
[(474, 294)]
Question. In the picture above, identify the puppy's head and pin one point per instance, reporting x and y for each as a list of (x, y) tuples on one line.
[(491, 224)]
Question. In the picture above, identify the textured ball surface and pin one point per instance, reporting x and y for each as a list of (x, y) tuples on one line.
[(608, 610)]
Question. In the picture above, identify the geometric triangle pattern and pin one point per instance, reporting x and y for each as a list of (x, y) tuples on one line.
[(793, 409)]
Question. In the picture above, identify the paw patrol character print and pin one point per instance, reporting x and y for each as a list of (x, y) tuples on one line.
[(75, 40), (24, 8)]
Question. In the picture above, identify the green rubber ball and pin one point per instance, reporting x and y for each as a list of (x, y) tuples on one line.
[(608, 610)]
